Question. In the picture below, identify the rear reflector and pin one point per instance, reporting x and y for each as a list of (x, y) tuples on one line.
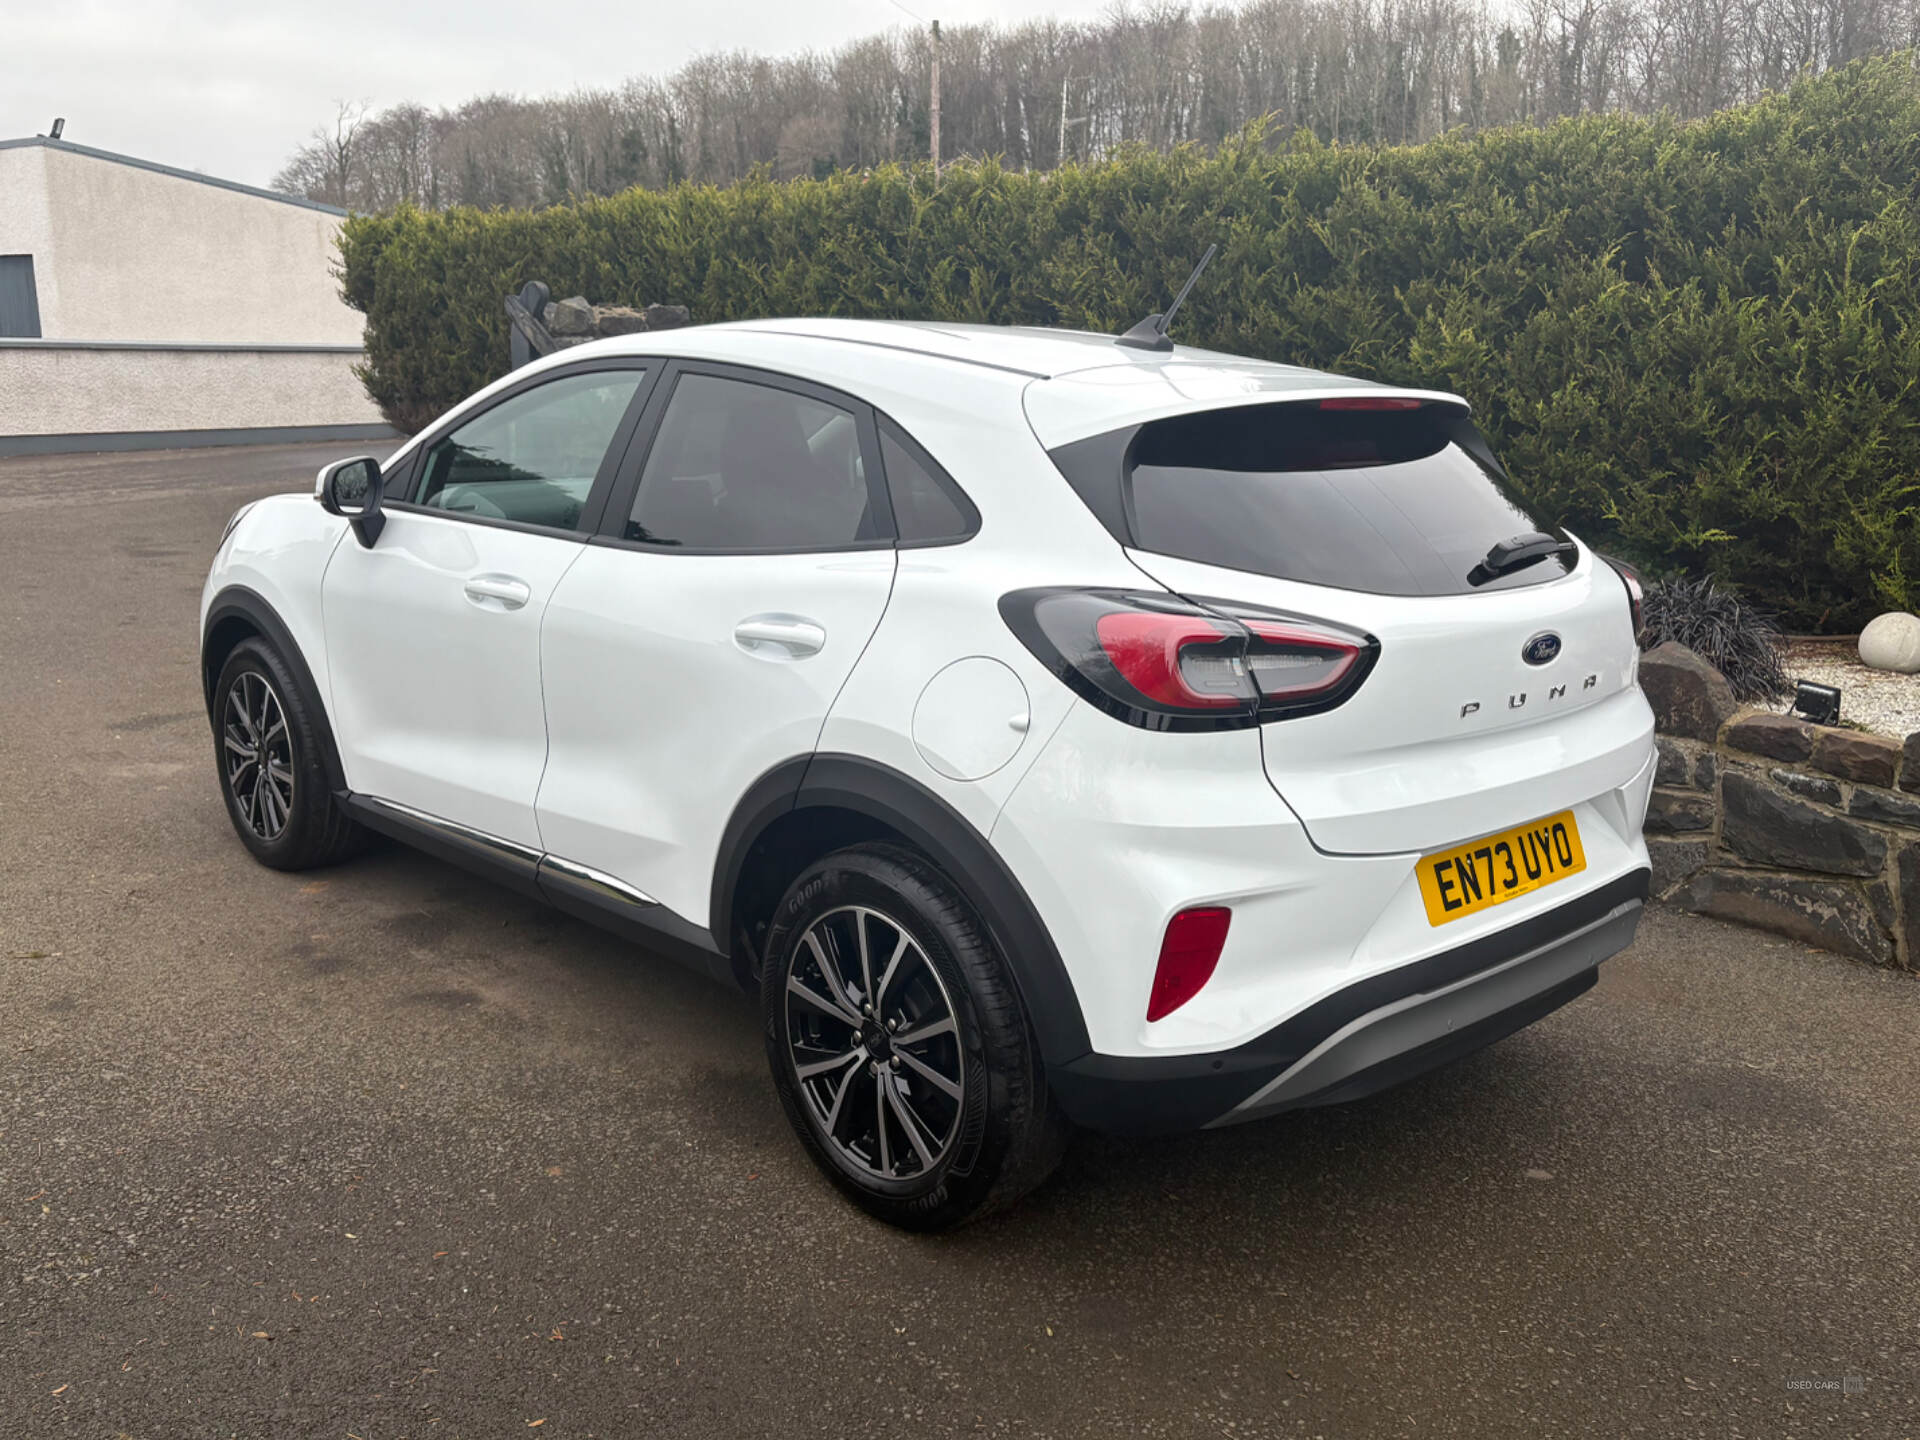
[(1371, 402), (1188, 954)]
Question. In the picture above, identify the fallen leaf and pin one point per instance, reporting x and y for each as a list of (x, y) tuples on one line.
[(350, 1235), (553, 1169), (261, 1335), (64, 1388), (438, 1254), (532, 1423)]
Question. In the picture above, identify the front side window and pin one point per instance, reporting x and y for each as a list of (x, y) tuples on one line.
[(741, 466), (531, 458)]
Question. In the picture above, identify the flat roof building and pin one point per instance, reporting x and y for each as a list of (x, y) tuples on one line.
[(142, 305)]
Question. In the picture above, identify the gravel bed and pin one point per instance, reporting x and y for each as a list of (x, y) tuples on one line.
[(1877, 699)]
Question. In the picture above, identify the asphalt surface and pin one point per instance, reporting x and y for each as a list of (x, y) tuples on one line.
[(383, 1152)]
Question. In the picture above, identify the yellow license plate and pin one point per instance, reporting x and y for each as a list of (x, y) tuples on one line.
[(1482, 873)]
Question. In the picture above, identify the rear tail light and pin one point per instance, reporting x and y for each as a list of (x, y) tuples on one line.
[(1188, 954), (1636, 591), (1167, 663)]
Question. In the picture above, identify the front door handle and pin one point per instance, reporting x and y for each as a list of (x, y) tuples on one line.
[(779, 637), (498, 592)]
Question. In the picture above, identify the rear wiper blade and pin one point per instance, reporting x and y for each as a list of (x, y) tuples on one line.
[(1519, 551)]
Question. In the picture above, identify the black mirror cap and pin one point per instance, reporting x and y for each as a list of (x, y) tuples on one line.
[(353, 489)]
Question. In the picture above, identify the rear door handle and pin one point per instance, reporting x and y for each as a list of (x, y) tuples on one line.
[(779, 637), (498, 592)]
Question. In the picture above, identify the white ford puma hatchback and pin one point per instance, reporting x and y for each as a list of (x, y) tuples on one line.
[(1049, 731)]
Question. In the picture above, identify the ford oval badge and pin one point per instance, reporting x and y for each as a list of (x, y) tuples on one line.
[(1541, 648)]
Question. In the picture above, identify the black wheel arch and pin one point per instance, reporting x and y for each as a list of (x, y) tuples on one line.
[(238, 614), (838, 786)]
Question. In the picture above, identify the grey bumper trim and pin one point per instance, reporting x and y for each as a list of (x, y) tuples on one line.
[(1380, 1036)]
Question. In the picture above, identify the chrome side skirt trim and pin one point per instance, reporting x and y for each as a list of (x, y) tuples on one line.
[(585, 877), (597, 880), (449, 827)]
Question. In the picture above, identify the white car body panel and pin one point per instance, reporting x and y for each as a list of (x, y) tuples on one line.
[(662, 714), (279, 550), (1399, 766), (436, 692)]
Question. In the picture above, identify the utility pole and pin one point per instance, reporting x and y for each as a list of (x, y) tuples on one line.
[(935, 108), (1064, 121)]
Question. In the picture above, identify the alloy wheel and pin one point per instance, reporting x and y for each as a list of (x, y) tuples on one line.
[(874, 1042), (258, 751)]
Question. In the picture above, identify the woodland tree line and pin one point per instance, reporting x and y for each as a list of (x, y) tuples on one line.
[(1156, 74)]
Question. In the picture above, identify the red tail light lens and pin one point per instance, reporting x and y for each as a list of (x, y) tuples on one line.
[(1371, 402), (1636, 591), (1185, 661), (1167, 663), (1189, 952)]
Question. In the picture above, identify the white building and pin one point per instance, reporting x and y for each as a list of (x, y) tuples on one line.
[(146, 306)]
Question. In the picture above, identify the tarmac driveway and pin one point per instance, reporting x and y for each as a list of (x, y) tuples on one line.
[(386, 1152)]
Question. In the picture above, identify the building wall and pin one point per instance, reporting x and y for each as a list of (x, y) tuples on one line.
[(48, 388), (123, 252)]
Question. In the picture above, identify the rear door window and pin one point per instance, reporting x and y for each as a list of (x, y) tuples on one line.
[(739, 465), (1390, 502)]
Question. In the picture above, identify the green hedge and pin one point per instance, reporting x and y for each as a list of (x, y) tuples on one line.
[(1695, 343)]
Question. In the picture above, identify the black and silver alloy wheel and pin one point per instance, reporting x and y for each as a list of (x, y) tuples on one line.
[(258, 751), (873, 1042), (898, 1042), (269, 742)]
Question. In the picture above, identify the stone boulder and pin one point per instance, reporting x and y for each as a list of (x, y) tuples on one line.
[(1857, 755), (1829, 914), (1689, 697), (1778, 737), (619, 320), (572, 316), (1763, 825), (1892, 642)]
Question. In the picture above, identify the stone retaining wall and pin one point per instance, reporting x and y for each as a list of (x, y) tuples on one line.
[(1811, 831)]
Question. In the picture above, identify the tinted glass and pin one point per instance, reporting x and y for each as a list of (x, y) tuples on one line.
[(531, 458), (926, 508), (739, 466), (1385, 502)]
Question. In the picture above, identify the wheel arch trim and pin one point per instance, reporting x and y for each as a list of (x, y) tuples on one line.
[(878, 792), (237, 602)]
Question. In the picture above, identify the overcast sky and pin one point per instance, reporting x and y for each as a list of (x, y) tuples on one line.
[(230, 87)]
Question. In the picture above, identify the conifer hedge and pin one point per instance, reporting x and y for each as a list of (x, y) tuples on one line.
[(1697, 344)]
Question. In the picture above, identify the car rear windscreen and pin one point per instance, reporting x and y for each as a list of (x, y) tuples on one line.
[(1391, 502)]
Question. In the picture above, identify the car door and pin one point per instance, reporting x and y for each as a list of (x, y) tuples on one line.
[(433, 633), (744, 561)]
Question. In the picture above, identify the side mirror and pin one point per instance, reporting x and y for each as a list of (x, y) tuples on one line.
[(353, 489)]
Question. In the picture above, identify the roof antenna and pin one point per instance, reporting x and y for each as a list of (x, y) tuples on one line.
[(1151, 333)]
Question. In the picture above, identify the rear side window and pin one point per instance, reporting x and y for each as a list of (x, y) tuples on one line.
[(1389, 502), (928, 508), (741, 466)]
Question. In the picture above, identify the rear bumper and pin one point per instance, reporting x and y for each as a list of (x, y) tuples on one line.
[(1372, 1034)]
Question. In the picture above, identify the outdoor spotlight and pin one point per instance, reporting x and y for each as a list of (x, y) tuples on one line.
[(59, 126), (1818, 703)]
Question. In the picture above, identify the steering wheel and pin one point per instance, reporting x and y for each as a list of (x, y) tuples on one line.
[(467, 501)]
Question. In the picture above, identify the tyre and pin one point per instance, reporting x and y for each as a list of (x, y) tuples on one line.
[(899, 1044), (272, 773)]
